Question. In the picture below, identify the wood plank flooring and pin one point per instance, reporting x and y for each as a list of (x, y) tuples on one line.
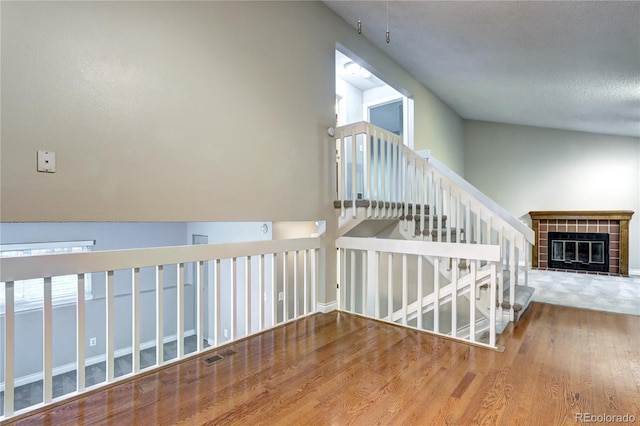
[(339, 369)]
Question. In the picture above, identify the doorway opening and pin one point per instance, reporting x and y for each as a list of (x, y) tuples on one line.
[(361, 95)]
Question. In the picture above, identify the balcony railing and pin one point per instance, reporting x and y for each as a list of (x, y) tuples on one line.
[(225, 292), (390, 280)]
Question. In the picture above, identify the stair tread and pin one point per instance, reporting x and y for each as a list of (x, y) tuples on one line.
[(444, 231), (522, 297), (417, 218), (374, 203)]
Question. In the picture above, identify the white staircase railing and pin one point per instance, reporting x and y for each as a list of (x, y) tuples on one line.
[(379, 177), (248, 287), (389, 280)]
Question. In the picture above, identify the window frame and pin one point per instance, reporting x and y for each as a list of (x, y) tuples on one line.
[(24, 297)]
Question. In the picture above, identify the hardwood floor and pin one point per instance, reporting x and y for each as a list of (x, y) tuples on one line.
[(341, 369)]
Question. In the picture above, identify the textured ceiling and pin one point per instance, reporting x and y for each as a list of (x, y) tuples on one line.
[(571, 65)]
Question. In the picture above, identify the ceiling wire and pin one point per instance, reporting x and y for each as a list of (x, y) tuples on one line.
[(388, 34)]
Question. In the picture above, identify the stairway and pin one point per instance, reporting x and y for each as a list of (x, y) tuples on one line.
[(392, 204)]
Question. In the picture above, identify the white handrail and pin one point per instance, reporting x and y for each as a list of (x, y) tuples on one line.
[(53, 265), (489, 253), (496, 208)]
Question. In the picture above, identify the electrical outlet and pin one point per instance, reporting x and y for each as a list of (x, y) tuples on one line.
[(93, 341), (281, 296), (225, 332)]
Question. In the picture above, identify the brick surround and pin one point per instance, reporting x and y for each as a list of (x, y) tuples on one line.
[(614, 223)]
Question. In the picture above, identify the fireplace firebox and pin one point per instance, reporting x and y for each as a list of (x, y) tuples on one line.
[(580, 251)]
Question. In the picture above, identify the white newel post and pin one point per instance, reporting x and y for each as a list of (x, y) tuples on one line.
[(492, 305), (473, 301), (180, 310), (200, 305), (159, 315), (454, 298), (372, 278), (420, 297), (9, 344), (513, 265), (110, 308), (436, 294), (405, 290), (135, 318), (80, 334), (47, 358)]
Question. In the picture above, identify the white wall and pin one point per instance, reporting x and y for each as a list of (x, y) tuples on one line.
[(352, 101), (529, 168), (108, 236), (166, 111), (230, 232)]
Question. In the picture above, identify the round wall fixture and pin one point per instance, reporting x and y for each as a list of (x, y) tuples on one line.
[(264, 228), (331, 131)]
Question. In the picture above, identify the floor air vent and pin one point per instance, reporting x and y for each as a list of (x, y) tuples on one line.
[(213, 359), (224, 354)]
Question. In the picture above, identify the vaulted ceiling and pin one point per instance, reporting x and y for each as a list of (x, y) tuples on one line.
[(571, 65)]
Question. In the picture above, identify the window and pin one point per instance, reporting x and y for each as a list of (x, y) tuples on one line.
[(29, 293)]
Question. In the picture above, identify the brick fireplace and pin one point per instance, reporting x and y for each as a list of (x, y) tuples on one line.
[(576, 233)]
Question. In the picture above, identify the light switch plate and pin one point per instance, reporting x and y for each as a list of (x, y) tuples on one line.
[(47, 161)]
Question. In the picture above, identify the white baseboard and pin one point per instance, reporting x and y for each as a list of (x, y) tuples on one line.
[(482, 324), (31, 378), (327, 307), (634, 272)]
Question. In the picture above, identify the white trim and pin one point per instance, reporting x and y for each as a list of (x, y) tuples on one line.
[(50, 265), (482, 325), (380, 102), (486, 252), (25, 380), (634, 272), (327, 307), (63, 291), (36, 305), (407, 113), (47, 245), (409, 121)]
